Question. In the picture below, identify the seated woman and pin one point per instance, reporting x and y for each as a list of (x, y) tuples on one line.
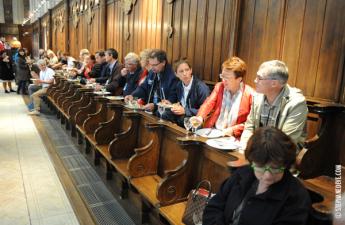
[(264, 192), (89, 61), (144, 63), (191, 92), (229, 104)]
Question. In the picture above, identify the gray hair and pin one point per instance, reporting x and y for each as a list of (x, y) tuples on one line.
[(41, 62), (132, 57), (275, 69)]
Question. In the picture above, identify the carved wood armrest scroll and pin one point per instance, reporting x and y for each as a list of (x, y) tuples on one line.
[(145, 160)]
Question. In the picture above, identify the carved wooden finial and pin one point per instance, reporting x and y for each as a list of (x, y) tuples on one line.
[(127, 5), (75, 14)]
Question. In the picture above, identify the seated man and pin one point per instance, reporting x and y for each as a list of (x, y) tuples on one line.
[(111, 79), (45, 78), (191, 92), (100, 65), (264, 192), (131, 72), (229, 104), (159, 85), (278, 105)]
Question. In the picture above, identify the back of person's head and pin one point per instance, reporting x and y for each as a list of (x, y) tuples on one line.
[(159, 54), (145, 54), (100, 53), (275, 69), (93, 58), (41, 62), (112, 52), (132, 57), (237, 65), (178, 62), (271, 145), (84, 51), (50, 53)]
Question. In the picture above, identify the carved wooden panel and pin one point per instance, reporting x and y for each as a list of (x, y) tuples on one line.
[(58, 28)]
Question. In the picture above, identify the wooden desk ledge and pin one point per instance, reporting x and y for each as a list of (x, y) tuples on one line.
[(80, 129), (147, 187), (173, 213)]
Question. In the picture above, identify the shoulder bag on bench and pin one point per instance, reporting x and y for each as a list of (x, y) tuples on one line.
[(197, 200)]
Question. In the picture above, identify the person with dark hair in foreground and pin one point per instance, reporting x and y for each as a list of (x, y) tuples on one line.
[(264, 192)]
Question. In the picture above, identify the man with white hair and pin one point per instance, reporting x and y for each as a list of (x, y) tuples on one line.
[(132, 72), (45, 78), (276, 104)]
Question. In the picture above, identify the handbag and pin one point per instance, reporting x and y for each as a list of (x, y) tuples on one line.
[(196, 203)]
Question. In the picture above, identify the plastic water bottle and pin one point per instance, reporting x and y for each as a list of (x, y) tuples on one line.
[(155, 98)]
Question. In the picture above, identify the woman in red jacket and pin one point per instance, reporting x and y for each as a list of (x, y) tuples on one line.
[(229, 104)]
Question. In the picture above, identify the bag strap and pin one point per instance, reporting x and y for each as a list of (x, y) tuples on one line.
[(206, 184)]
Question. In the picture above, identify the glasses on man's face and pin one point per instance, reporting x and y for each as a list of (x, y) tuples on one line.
[(263, 169), (259, 77), (154, 65)]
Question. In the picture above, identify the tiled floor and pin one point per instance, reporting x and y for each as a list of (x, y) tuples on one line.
[(30, 191)]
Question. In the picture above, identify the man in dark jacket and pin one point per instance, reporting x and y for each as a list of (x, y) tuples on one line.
[(160, 84), (112, 79), (99, 68)]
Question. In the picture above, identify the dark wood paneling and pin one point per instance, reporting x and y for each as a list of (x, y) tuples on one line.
[(307, 35)]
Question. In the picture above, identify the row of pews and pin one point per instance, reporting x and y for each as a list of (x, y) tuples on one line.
[(155, 159)]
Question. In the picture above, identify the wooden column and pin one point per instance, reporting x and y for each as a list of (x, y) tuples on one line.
[(103, 21), (67, 14)]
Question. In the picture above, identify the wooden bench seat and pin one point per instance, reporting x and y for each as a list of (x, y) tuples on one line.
[(173, 213), (147, 187)]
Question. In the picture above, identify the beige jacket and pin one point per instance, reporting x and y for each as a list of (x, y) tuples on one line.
[(292, 118)]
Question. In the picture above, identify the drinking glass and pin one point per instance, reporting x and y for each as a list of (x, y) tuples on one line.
[(195, 122), (187, 125), (161, 110)]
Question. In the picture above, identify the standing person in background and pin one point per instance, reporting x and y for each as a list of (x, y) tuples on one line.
[(22, 72), (2, 44), (6, 71)]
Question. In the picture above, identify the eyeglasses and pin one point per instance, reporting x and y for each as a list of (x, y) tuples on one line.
[(154, 65), (263, 169), (259, 77), (223, 77)]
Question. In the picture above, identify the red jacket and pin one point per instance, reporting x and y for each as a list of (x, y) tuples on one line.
[(212, 106)]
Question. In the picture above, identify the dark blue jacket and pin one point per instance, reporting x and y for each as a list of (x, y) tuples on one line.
[(198, 92), (132, 81), (285, 202), (166, 83)]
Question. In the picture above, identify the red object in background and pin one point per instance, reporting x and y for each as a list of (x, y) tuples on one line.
[(203, 192), (141, 101)]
